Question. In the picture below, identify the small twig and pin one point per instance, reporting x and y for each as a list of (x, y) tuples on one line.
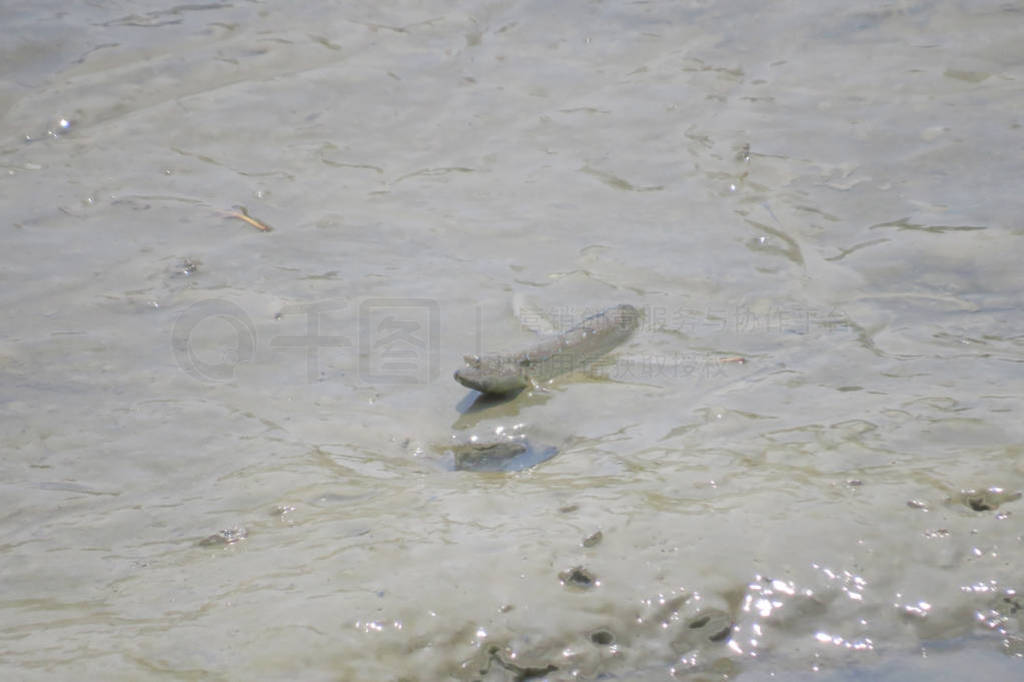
[(737, 359), (241, 214)]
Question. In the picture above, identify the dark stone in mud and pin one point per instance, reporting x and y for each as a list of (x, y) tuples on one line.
[(710, 625), (720, 635), (602, 638), (699, 622), (592, 540), (579, 578)]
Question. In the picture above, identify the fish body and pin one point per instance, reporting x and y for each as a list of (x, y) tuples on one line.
[(572, 351)]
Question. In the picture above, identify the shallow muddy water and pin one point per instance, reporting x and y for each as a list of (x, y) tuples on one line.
[(226, 449)]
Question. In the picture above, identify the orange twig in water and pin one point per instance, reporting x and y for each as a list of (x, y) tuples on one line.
[(241, 214)]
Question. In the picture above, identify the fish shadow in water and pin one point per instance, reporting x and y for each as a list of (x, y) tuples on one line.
[(477, 407), (474, 401), (505, 456)]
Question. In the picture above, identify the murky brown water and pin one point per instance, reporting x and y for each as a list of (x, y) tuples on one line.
[(224, 447)]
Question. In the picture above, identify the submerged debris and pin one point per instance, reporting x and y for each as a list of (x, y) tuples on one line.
[(189, 266), (473, 456), (240, 213), (514, 454), (228, 536)]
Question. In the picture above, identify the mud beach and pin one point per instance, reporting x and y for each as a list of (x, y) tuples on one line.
[(232, 452)]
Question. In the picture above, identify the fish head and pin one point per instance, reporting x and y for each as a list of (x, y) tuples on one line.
[(491, 378)]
